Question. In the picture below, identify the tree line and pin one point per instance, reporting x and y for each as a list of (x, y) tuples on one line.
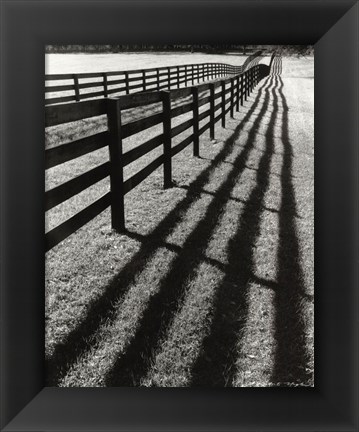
[(299, 50)]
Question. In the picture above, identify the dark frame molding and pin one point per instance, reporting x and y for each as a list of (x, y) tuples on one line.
[(26, 26)]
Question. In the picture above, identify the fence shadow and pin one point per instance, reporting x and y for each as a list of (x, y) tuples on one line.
[(291, 357), (163, 305), (76, 342), (215, 365)]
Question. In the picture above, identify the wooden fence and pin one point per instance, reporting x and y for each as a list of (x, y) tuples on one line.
[(223, 97), (77, 87)]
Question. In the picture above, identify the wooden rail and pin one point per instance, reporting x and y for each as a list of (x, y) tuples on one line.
[(222, 97), (61, 88)]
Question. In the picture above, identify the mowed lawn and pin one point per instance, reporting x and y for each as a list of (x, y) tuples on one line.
[(212, 282), (103, 62)]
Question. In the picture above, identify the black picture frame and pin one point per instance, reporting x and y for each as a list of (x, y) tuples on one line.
[(26, 27)]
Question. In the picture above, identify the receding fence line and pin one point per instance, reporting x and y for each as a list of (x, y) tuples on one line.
[(125, 82), (131, 81), (239, 89)]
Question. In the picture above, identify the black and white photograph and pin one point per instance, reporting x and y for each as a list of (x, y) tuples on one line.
[(179, 215)]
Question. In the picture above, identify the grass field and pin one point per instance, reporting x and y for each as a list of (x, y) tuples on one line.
[(212, 283), (76, 63)]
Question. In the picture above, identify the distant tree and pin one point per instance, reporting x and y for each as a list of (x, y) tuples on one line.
[(295, 50)]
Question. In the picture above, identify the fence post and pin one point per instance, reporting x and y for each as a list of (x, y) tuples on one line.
[(246, 85), (158, 79), (116, 167), (169, 78), (237, 100), (105, 91), (77, 88), (242, 88), (232, 98), (223, 85), (178, 77), (192, 70), (212, 89), (144, 80), (127, 83), (167, 156), (249, 83), (185, 76), (195, 122)]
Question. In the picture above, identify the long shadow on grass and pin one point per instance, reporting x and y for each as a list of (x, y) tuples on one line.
[(276, 68), (134, 364), (76, 343), (291, 357), (215, 365)]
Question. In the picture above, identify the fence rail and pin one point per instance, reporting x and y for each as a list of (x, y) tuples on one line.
[(233, 91), (77, 87)]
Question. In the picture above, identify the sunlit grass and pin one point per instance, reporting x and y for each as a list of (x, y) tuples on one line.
[(166, 236)]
